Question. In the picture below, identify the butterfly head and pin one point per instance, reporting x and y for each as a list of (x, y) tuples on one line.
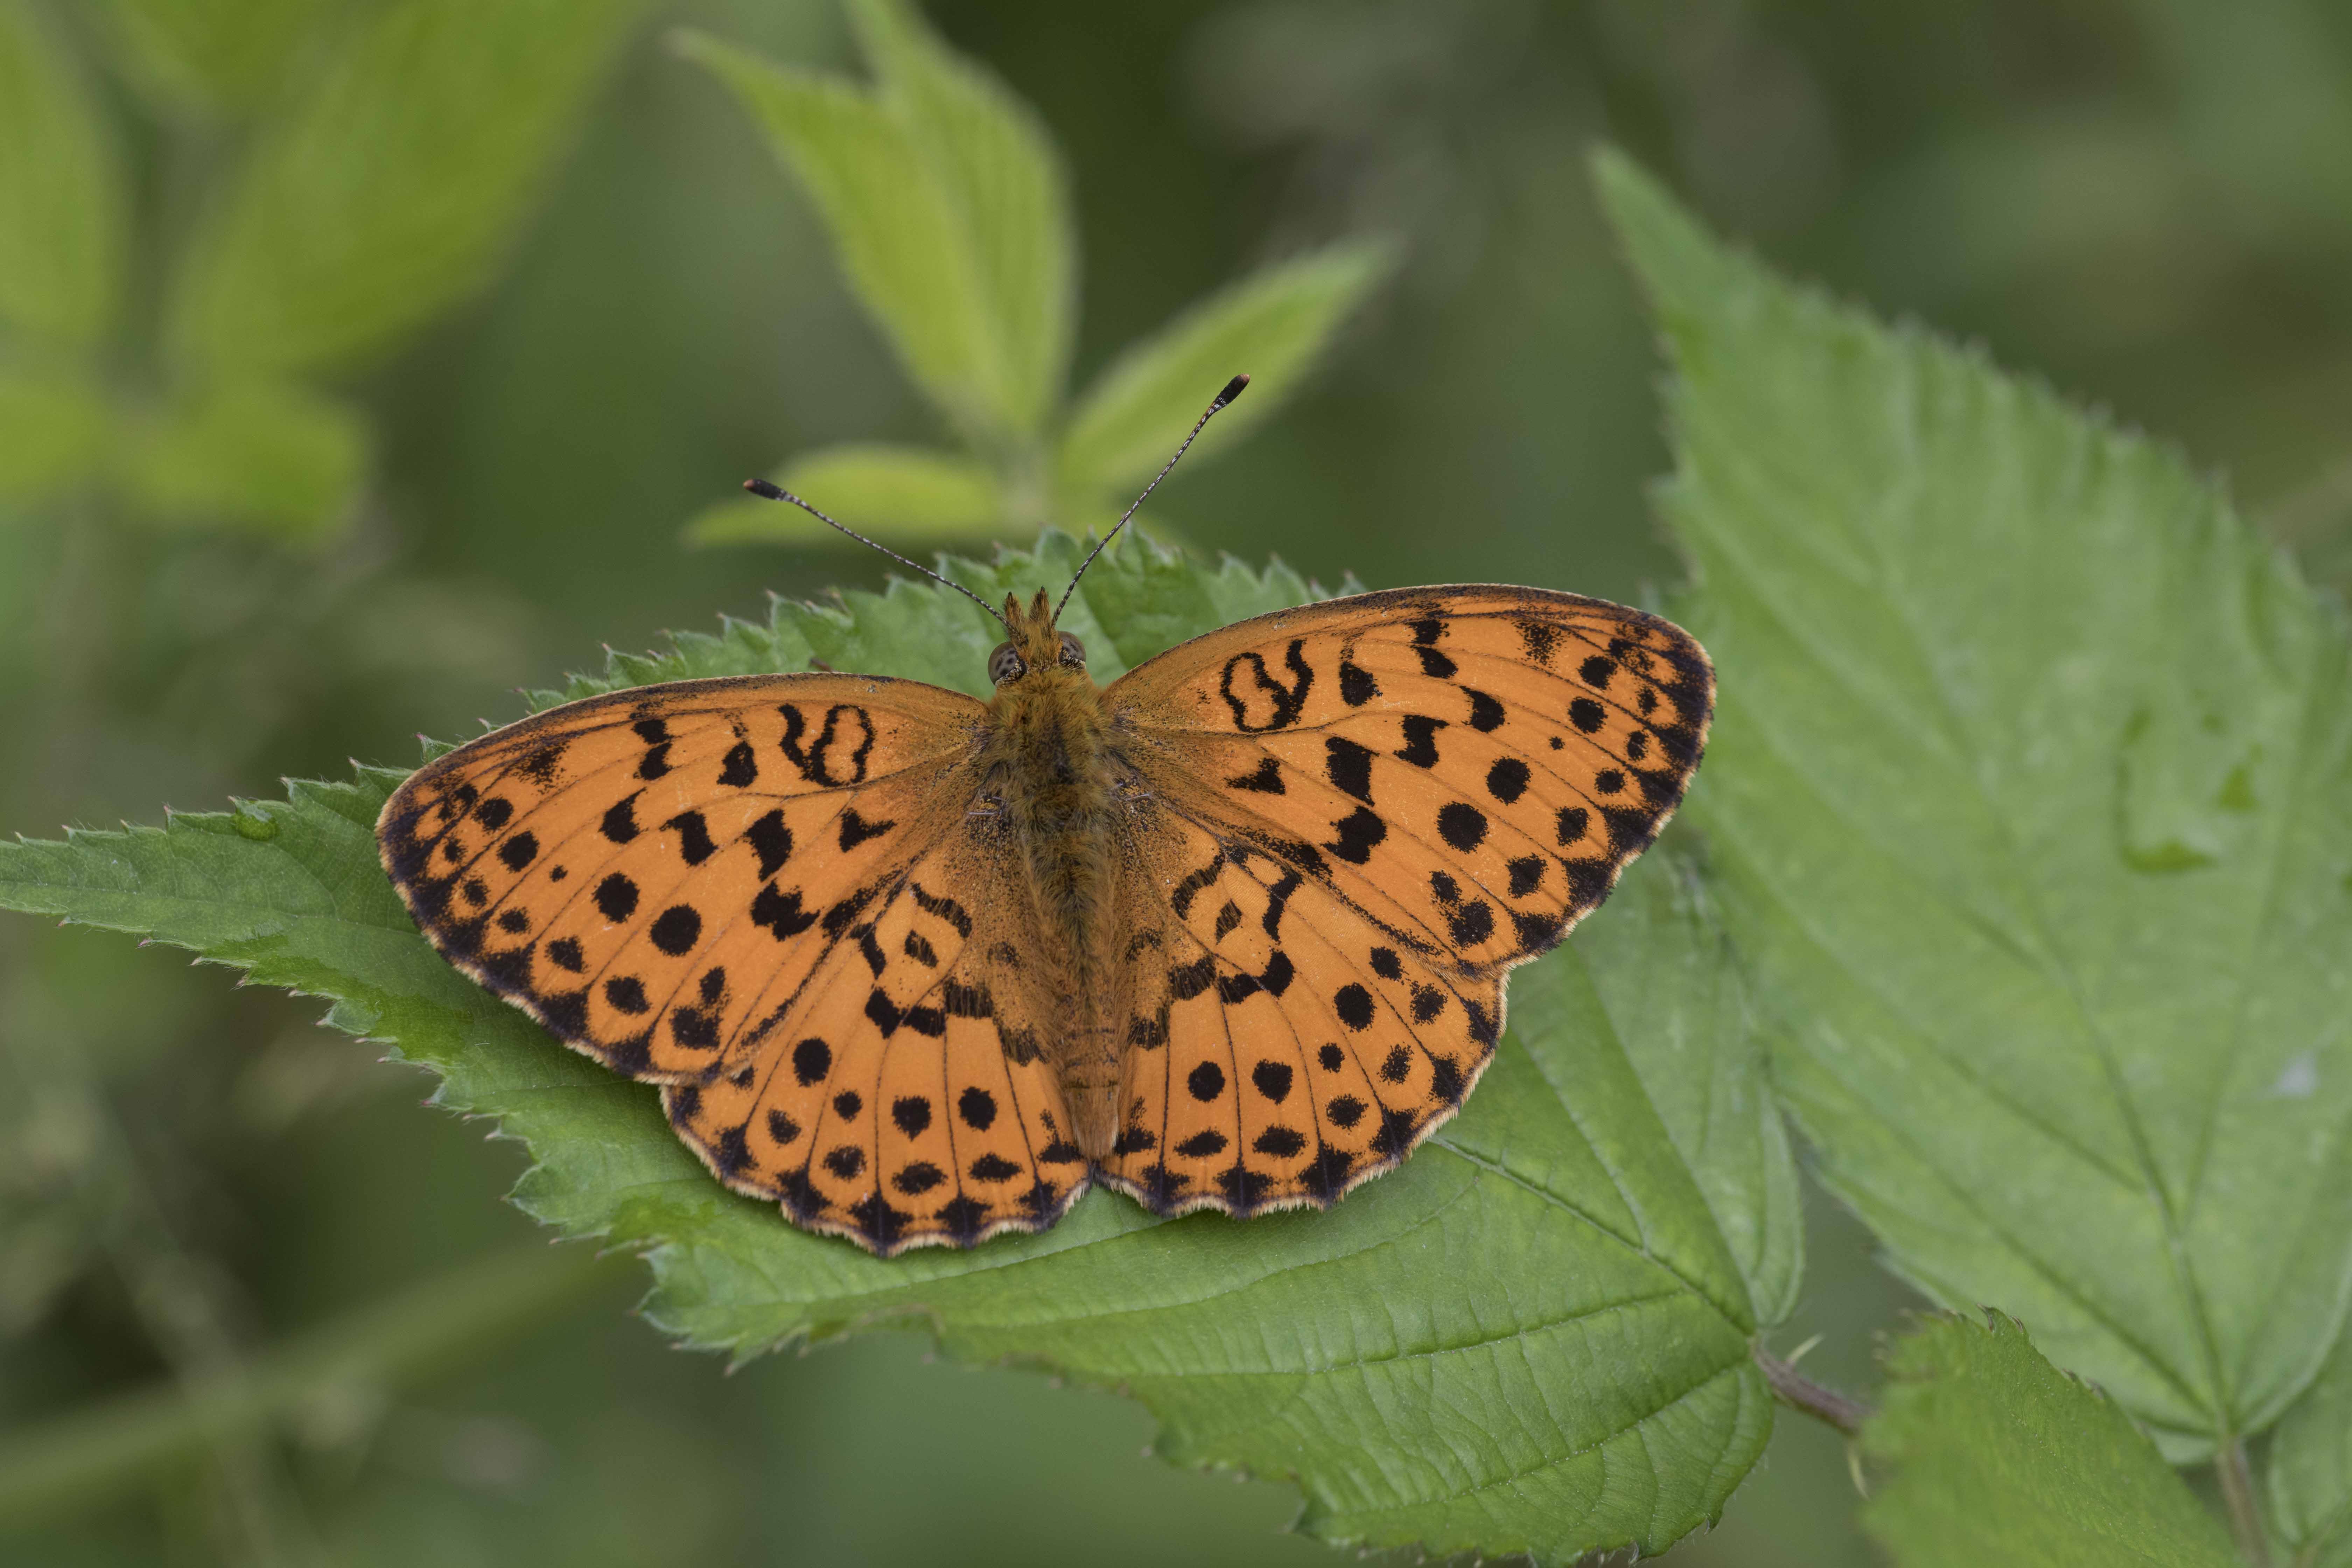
[(1035, 644)]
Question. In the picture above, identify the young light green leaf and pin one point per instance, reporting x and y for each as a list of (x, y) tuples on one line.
[(2310, 1473), (892, 229), (2029, 792), (61, 194), (1533, 1338), (2003, 1459), (267, 457), (1274, 326), (388, 187), (904, 496), (1001, 177), (210, 57), (52, 426)]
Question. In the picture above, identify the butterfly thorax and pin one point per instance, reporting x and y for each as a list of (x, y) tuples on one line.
[(1049, 771)]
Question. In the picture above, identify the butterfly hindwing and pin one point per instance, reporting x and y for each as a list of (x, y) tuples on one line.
[(899, 1096), (1283, 1046)]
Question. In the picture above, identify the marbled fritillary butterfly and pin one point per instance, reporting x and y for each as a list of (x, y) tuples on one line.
[(1231, 933)]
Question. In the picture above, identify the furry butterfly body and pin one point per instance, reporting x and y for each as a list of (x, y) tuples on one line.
[(1231, 933)]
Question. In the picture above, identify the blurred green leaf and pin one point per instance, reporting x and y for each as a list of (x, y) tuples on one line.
[(211, 57), (903, 495), (945, 206), (52, 427), (269, 458), (1002, 179), (893, 231), (1533, 1338), (2004, 1459), (61, 195), (2310, 1471), (1273, 326), (2029, 792), (386, 189)]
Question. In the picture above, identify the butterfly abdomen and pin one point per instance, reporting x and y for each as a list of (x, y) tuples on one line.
[(1050, 764)]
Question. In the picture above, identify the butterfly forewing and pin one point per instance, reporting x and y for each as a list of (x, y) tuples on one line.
[(1427, 787), (633, 869)]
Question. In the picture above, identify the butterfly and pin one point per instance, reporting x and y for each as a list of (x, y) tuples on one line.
[(1230, 934)]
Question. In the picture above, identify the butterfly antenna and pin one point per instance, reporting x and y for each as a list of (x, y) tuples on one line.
[(767, 491), (1233, 390)]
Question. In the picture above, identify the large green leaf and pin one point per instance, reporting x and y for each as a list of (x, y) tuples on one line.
[(2029, 788), (387, 188), (61, 197), (2006, 1459), (1534, 1337), (2311, 1467), (1273, 326)]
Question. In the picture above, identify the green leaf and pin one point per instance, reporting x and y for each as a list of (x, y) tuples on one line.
[(211, 57), (905, 496), (1533, 1338), (2310, 1471), (1274, 326), (891, 228), (52, 429), (946, 205), (1001, 178), (2004, 1459), (2029, 791), (61, 194), (258, 456), (387, 188)]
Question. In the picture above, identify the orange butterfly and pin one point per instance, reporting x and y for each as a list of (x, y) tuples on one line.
[(1229, 933)]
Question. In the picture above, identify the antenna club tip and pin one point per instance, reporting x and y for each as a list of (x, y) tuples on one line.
[(1233, 390), (765, 491)]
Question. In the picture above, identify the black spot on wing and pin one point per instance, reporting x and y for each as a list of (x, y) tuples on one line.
[(1349, 767), (1356, 834), (616, 898), (676, 929), (1266, 779), (694, 841), (1419, 746), (1462, 824)]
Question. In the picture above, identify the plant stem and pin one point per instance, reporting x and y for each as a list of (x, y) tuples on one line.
[(2237, 1479), (1801, 1392)]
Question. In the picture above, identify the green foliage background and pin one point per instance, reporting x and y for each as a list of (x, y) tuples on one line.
[(353, 380)]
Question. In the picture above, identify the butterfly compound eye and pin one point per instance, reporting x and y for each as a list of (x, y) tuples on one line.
[(1074, 652), (1004, 664)]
